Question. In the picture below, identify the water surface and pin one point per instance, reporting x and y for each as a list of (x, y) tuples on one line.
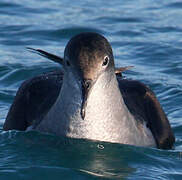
[(144, 34)]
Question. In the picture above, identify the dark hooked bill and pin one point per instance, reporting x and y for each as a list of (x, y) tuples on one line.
[(86, 85)]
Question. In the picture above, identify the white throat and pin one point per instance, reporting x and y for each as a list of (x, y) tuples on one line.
[(107, 117)]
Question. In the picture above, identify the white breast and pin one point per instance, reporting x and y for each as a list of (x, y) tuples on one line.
[(107, 117)]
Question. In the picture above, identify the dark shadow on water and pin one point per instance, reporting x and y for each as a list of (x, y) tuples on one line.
[(31, 151)]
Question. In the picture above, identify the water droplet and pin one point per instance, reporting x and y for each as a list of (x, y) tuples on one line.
[(100, 146)]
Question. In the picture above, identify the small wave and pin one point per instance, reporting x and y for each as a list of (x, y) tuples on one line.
[(174, 5)]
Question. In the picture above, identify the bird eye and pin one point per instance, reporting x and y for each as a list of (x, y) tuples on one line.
[(67, 63), (106, 61)]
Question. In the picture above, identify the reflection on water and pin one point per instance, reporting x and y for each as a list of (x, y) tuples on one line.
[(95, 158)]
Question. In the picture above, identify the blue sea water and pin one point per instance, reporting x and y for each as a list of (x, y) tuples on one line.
[(143, 34)]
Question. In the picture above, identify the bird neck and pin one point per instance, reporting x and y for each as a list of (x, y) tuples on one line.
[(105, 110), (106, 118), (105, 102)]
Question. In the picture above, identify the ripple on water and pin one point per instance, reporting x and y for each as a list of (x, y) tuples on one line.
[(83, 156), (146, 35), (174, 5)]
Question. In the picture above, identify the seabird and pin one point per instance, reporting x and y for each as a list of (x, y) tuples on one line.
[(89, 99)]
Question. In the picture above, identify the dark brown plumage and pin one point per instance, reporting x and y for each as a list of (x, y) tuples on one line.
[(35, 97), (89, 55)]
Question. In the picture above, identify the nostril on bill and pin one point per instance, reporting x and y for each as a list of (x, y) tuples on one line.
[(87, 83)]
